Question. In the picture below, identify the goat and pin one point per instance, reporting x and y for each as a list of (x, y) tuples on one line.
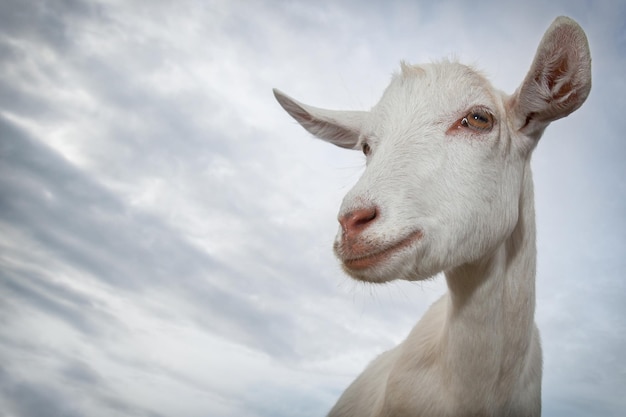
[(448, 188)]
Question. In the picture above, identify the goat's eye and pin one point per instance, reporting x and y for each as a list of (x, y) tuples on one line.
[(478, 119), (366, 149)]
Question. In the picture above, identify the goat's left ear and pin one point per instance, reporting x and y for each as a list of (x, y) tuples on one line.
[(558, 82), (341, 128)]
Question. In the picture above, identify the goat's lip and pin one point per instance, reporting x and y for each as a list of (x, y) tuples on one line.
[(359, 261)]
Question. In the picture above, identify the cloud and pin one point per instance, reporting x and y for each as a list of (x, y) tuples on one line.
[(166, 230)]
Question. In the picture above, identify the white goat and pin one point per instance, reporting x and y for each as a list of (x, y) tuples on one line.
[(448, 187)]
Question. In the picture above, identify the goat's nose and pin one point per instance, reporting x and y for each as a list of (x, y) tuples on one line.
[(354, 222)]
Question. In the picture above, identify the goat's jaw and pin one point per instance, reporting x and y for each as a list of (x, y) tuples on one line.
[(362, 258)]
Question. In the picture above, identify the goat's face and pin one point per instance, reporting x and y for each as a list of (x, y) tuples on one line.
[(442, 181), (447, 158)]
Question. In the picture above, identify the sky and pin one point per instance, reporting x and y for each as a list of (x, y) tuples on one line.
[(166, 229)]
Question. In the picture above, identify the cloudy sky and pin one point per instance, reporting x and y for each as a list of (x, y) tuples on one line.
[(166, 229)]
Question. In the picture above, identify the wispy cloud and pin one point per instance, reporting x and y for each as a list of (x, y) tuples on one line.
[(165, 229)]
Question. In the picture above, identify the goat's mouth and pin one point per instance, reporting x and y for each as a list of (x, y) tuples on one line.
[(372, 255)]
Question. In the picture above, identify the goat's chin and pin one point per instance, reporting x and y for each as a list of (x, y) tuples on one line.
[(403, 267), (371, 275)]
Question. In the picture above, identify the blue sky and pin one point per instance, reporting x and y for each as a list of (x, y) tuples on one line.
[(166, 229)]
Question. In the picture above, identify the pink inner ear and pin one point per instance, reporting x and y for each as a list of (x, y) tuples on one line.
[(556, 74), (559, 77)]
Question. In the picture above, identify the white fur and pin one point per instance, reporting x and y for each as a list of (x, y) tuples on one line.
[(438, 195)]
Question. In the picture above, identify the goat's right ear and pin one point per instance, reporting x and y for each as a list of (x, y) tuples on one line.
[(559, 79), (341, 128)]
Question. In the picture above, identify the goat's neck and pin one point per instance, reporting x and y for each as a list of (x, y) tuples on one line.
[(492, 303)]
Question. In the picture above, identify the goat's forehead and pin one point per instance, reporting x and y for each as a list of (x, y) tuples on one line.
[(439, 86)]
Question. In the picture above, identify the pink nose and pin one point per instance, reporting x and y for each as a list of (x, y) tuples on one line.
[(354, 222)]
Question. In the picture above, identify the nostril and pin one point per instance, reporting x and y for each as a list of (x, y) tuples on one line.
[(357, 220), (362, 217)]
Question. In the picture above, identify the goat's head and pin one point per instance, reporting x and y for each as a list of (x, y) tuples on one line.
[(446, 155)]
